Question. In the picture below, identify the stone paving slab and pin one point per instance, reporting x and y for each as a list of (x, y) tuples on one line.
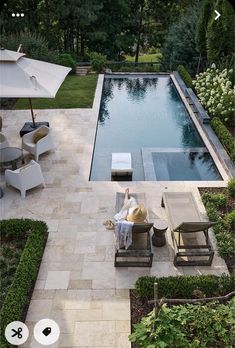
[(78, 285)]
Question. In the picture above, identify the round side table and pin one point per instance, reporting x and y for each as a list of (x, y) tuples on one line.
[(159, 229)]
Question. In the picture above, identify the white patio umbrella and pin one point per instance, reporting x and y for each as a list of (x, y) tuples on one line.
[(22, 77)]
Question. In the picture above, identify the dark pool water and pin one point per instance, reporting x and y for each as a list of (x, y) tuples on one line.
[(141, 112)]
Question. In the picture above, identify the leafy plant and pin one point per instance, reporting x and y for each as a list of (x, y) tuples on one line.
[(231, 187), (185, 76), (187, 326), (34, 45), (98, 61), (216, 93)]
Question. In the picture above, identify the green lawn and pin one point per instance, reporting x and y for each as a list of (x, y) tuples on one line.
[(145, 58), (75, 92)]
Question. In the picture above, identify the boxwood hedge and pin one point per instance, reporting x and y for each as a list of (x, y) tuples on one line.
[(185, 286), (18, 296), (185, 76), (224, 136)]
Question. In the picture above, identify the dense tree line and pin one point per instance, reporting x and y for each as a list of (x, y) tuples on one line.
[(110, 27), (184, 30), (196, 39)]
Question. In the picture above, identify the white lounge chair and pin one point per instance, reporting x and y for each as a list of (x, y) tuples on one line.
[(25, 177), (121, 164), (36, 146)]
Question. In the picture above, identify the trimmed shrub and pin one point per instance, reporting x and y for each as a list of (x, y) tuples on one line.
[(231, 187), (219, 200), (98, 61), (224, 136), (185, 76), (67, 60), (17, 299), (230, 218), (184, 286), (226, 245)]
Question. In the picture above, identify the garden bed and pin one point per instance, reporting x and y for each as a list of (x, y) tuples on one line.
[(218, 210), (175, 287), (27, 238)]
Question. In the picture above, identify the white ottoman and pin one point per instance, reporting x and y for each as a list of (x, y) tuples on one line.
[(121, 164)]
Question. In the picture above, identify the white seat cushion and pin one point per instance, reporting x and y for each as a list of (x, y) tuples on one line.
[(121, 163)]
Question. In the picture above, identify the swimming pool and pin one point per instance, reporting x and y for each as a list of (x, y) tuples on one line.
[(144, 115)]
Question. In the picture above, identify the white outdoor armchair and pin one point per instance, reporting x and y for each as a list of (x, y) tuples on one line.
[(3, 141), (25, 177), (40, 146)]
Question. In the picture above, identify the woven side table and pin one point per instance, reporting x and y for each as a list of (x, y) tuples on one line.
[(159, 229)]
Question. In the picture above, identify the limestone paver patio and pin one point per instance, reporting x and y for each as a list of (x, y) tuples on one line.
[(78, 285)]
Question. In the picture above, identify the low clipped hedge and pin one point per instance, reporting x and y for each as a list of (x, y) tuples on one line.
[(18, 296), (185, 76), (231, 187), (224, 136), (185, 286)]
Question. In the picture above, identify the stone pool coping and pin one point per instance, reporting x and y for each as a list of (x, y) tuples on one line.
[(207, 129)]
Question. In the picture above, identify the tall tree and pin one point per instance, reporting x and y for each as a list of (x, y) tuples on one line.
[(180, 45), (151, 20), (220, 33), (111, 33), (206, 9)]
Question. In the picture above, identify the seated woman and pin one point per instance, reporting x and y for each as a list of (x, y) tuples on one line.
[(131, 210)]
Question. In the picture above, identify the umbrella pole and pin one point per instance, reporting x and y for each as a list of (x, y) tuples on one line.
[(31, 109)]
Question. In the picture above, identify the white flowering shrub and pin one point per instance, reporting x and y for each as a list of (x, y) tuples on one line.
[(216, 94)]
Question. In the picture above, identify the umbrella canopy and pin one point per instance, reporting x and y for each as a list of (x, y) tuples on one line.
[(22, 77)]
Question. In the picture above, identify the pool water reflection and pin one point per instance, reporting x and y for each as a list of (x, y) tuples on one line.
[(139, 112)]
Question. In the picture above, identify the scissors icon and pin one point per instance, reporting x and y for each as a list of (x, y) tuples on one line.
[(17, 332)]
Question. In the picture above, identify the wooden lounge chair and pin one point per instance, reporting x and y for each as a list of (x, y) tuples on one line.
[(189, 233), (139, 254)]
